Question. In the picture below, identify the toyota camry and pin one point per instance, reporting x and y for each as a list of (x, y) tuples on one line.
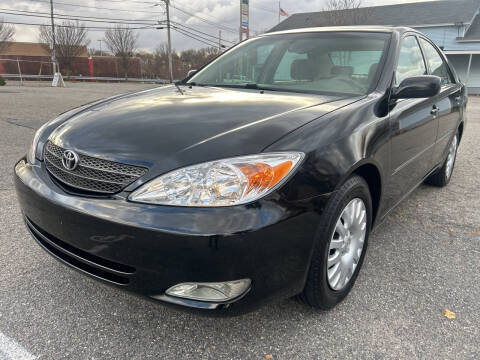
[(258, 177)]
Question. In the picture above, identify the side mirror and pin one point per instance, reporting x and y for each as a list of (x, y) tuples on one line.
[(417, 87), (191, 73)]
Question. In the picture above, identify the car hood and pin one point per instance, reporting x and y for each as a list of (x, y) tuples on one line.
[(164, 129)]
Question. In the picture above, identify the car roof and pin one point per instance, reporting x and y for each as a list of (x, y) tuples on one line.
[(359, 28)]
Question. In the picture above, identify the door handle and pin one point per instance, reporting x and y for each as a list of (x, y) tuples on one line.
[(434, 110)]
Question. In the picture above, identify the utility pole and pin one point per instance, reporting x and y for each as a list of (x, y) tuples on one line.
[(100, 41), (169, 50), (220, 40), (170, 66), (53, 38)]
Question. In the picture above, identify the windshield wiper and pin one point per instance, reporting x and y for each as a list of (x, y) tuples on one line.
[(176, 83), (252, 86), (193, 83), (235, 86)]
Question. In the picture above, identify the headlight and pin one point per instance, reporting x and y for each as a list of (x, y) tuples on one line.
[(32, 152), (225, 182)]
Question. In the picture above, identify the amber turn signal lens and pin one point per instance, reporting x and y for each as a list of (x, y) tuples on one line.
[(262, 176)]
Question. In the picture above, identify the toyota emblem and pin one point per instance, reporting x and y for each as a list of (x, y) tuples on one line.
[(70, 160)]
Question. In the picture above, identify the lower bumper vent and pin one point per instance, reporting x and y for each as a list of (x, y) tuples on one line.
[(94, 265)]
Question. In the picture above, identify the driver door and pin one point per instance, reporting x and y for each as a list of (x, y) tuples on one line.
[(414, 127)]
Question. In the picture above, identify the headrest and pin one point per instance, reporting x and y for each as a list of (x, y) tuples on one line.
[(342, 70), (302, 69), (372, 70)]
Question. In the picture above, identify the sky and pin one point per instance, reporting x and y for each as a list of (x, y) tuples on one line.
[(207, 16)]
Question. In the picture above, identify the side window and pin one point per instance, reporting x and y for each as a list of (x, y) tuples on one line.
[(410, 60), (435, 62)]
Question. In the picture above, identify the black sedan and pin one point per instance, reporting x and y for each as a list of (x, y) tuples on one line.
[(258, 177)]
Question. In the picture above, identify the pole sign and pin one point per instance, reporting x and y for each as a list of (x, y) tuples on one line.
[(244, 9)]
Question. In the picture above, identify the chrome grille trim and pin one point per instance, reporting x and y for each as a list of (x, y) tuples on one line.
[(92, 174)]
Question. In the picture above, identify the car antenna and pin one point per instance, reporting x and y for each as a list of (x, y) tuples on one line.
[(178, 87)]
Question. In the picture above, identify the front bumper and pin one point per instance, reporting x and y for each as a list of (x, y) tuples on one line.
[(149, 248)]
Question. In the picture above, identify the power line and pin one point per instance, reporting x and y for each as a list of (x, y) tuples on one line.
[(215, 19), (201, 32), (149, 23), (195, 38), (39, 14), (99, 8), (107, 18), (133, 1), (220, 26), (193, 34), (93, 28), (211, 23), (70, 17)]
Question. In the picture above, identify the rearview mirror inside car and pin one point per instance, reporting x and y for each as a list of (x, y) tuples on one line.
[(191, 73)]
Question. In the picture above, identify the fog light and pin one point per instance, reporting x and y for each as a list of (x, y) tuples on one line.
[(215, 292)]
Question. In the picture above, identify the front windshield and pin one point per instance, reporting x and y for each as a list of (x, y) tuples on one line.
[(329, 62)]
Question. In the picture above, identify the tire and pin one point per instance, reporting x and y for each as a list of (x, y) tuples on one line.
[(442, 177), (320, 290)]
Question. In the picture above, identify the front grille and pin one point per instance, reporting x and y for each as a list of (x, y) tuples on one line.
[(92, 264), (92, 174)]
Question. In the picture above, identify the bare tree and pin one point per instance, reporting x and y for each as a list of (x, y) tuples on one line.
[(183, 61), (342, 4), (346, 12), (70, 39), (147, 64), (7, 32), (122, 41)]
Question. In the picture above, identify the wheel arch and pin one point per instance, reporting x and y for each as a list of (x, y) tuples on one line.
[(370, 172)]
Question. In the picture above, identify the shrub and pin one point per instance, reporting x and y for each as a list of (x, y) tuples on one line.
[(2, 81)]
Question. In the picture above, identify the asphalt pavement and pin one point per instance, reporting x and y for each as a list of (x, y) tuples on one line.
[(423, 259)]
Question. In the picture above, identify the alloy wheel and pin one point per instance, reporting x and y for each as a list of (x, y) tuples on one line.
[(452, 152), (346, 244)]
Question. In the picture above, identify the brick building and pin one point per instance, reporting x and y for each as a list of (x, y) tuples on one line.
[(34, 59)]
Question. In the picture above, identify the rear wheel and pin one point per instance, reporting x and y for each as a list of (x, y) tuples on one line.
[(340, 246), (442, 177)]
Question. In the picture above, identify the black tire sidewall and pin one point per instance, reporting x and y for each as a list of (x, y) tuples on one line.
[(355, 187), (444, 168), (439, 178)]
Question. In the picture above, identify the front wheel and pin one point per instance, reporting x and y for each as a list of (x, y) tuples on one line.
[(442, 177), (340, 246)]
